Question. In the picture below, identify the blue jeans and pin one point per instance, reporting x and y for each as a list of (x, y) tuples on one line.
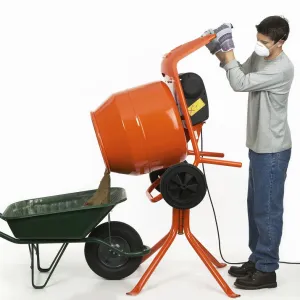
[(267, 174)]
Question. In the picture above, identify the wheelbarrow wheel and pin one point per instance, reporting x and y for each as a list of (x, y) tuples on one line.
[(183, 186), (103, 260)]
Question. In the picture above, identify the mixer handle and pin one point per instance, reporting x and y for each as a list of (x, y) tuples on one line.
[(151, 189), (218, 162)]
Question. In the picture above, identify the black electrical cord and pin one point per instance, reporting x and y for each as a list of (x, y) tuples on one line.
[(216, 221)]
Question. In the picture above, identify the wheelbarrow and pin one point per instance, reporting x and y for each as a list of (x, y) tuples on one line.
[(146, 130), (113, 250)]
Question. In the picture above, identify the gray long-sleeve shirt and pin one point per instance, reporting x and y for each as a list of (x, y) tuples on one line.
[(268, 83)]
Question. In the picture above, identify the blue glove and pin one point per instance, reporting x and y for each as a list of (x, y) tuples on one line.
[(224, 37), (214, 45)]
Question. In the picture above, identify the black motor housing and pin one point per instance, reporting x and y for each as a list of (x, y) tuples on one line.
[(195, 97)]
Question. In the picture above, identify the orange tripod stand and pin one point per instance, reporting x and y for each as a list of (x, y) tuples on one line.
[(180, 224), (181, 217)]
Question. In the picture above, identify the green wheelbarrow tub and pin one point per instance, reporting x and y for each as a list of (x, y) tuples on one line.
[(59, 217)]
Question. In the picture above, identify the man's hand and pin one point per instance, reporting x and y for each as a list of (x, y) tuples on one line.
[(213, 46), (222, 46), (224, 37)]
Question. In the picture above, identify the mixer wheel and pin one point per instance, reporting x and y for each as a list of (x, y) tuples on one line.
[(183, 186), (157, 174)]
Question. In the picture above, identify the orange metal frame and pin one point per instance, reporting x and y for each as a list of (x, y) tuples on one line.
[(181, 218)]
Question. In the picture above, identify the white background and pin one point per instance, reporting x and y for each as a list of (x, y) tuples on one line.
[(59, 60)]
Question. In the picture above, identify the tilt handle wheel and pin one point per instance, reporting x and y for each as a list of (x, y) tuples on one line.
[(183, 186)]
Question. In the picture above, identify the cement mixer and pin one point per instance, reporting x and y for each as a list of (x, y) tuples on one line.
[(146, 130)]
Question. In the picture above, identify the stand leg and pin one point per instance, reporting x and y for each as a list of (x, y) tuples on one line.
[(155, 248), (205, 259), (209, 255), (169, 240)]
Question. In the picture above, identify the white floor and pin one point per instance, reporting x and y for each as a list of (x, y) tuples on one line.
[(73, 280)]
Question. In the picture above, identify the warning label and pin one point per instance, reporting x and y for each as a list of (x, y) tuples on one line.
[(196, 106)]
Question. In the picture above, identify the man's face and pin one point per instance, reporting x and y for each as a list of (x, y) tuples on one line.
[(266, 41)]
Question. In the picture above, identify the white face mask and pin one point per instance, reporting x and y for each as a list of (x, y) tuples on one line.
[(262, 50)]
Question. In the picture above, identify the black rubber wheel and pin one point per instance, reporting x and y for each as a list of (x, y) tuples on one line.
[(183, 186), (104, 261), (157, 174)]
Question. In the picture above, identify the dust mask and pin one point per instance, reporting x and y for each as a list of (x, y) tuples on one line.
[(261, 49)]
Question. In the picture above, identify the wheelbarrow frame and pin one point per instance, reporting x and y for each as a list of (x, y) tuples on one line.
[(33, 243), (34, 249)]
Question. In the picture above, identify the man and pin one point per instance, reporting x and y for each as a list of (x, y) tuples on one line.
[(267, 76)]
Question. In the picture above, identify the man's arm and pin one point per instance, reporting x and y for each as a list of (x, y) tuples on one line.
[(240, 76), (246, 66), (266, 79)]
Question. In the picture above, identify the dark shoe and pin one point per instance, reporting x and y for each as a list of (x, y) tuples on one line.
[(244, 270), (257, 280)]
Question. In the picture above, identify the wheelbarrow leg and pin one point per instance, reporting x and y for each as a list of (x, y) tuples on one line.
[(169, 240), (43, 270), (35, 249), (205, 258)]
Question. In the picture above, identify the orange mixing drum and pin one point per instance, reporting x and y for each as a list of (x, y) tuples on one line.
[(139, 130)]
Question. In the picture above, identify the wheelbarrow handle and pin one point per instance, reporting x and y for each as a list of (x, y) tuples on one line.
[(144, 251), (150, 190)]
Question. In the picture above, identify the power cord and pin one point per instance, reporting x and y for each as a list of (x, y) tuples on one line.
[(216, 221)]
